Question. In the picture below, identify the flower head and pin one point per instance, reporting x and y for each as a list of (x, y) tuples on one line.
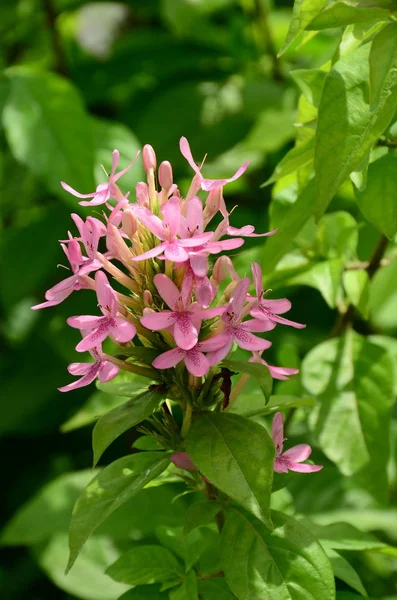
[(291, 459), (101, 368)]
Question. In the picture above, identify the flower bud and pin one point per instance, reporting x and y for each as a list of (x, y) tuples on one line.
[(116, 245), (147, 297), (129, 222), (222, 268), (183, 461), (142, 193), (165, 175), (149, 158)]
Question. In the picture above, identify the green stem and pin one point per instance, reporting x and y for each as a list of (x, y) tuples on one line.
[(187, 420)]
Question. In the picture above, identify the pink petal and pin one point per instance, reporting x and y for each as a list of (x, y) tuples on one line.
[(167, 290), (197, 240), (174, 252), (248, 231), (238, 299), (87, 322), (185, 333), (301, 468), (115, 161), (96, 336), (297, 453), (169, 359), (281, 373), (187, 153), (216, 357), (210, 313), (124, 171), (86, 380), (278, 431), (151, 221), (205, 291), (248, 341), (280, 466), (257, 325), (214, 343), (284, 321), (151, 253), (155, 321), (107, 371), (279, 306), (123, 331), (102, 195), (199, 264), (223, 245), (107, 298), (80, 368), (196, 363), (258, 278), (62, 289), (194, 215), (47, 304), (69, 189), (172, 214), (212, 184)]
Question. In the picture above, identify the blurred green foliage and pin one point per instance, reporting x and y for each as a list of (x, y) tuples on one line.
[(80, 79)]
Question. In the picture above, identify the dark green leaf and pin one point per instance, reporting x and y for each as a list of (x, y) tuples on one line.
[(96, 405), (257, 370), (45, 111), (237, 456), (347, 374), (146, 442), (215, 589), (199, 514), (347, 128), (345, 572), (122, 418), (382, 186), (188, 589), (113, 486), (146, 592), (143, 565), (258, 563), (125, 384), (343, 536), (383, 62), (252, 405)]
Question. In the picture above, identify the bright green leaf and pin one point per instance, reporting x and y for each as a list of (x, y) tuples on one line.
[(200, 513), (188, 589), (311, 83), (383, 62), (346, 127), (341, 14), (297, 157), (304, 12), (143, 565), (357, 285), (237, 456), (257, 370), (252, 405), (45, 111), (378, 201), (345, 572), (347, 374), (122, 418), (323, 276), (146, 442), (257, 562), (113, 486), (344, 536)]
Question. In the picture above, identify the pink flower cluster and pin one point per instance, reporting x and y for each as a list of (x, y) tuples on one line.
[(160, 249)]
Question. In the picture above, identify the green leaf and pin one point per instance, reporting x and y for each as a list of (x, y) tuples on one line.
[(311, 83), (122, 418), (189, 547), (215, 589), (45, 111), (304, 12), (378, 201), (352, 430), (200, 513), (237, 456), (125, 384), (113, 486), (341, 14), (47, 512), (257, 370), (188, 589), (345, 572), (383, 62), (97, 404), (357, 285), (258, 563), (323, 276), (251, 405), (146, 592), (88, 580), (297, 157), (146, 442), (344, 536), (346, 127), (289, 226), (337, 235), (143, 565)]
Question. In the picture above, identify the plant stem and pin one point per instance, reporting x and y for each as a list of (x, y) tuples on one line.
[(375, 262), (187, 419), (220, 516), (60, 61), (263, 35)]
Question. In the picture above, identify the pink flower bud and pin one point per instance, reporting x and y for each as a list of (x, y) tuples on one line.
[(142, 193), (149, 158), (183, 461), (147, 297), (213, 201), (222, 268), (116, 245), (165, 175), (129, 222)]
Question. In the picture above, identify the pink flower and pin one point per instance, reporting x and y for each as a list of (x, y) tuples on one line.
[(195, 361), (90, 231), (99, 328), (104, 191), (239, 332), (62, 290), (183, 461), (185, 316), (101, 368), (281, 373), (248, 231), (291, 459), (207, 184), (269, 310), (174, 249)]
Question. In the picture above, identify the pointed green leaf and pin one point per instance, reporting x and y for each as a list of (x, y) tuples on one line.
[(145, 592), (378, 201), (237, 456), (200, 513), (357, 285), (347, 128), (286, 563), (297, 157), (343, 536), (144, 565), (122, 418), (257, 370), (341, 14), (345, 572), (125, 384), (304, 12), (352, 429), (188, 589), (215, 589), (311, 83), (383, 62), (324, 276), (113, 486)]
